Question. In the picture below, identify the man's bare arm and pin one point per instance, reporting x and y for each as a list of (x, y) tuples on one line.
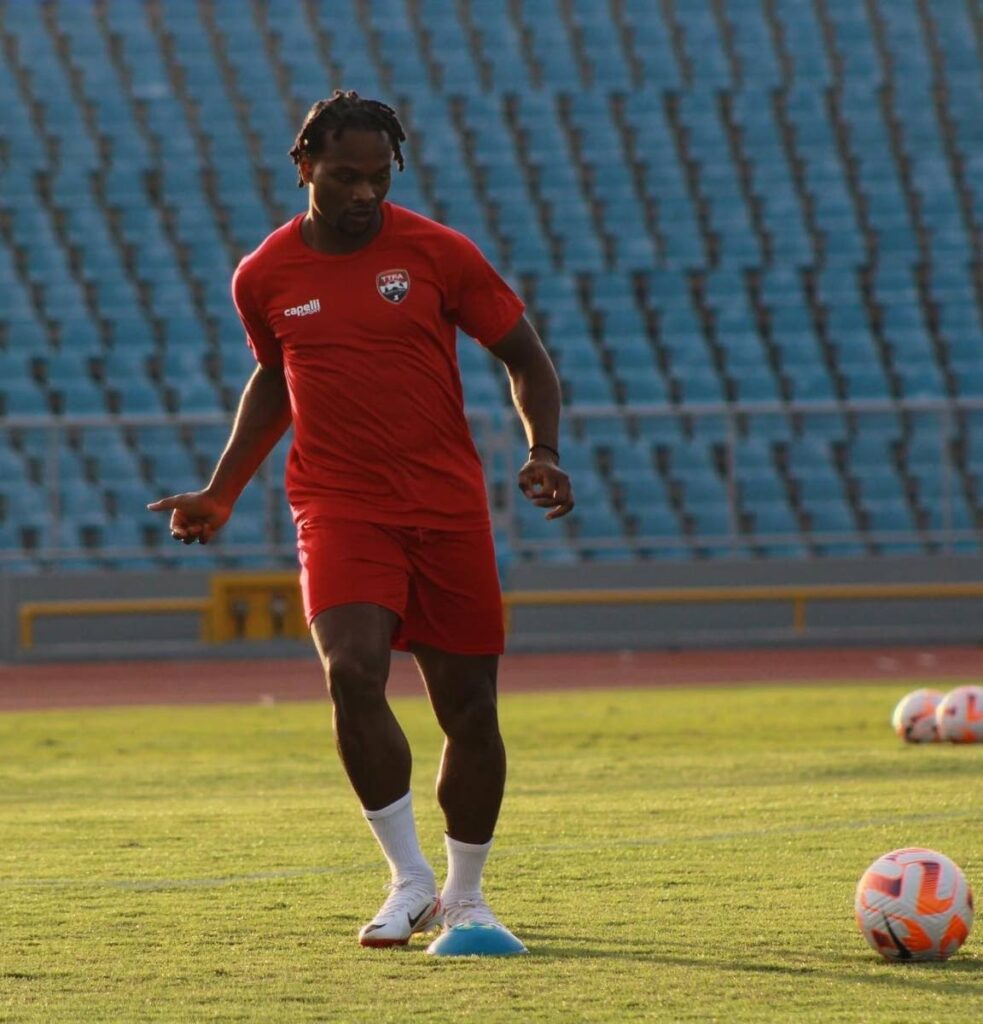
[(536, 394), (535, 387), (261, 420)]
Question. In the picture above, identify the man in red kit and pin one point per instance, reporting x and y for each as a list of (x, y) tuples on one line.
[(351, 310)]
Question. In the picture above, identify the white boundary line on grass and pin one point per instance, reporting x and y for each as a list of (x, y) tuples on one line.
[(171, 884)]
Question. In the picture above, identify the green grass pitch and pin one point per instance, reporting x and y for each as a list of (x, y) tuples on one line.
[(672, 855)]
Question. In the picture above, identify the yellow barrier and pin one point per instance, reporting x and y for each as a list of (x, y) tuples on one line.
[(797, 595), (29, 612), (265, 606), (256, 606)]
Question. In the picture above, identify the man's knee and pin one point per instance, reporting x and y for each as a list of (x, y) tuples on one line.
[(355, 678), (474, 720)]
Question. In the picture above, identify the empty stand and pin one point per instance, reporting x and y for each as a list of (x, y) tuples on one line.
[(748, 231)]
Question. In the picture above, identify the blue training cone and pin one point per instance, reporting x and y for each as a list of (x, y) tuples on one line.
[(476, 940)]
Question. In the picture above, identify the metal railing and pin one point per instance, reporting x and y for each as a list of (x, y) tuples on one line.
[(935, 488)]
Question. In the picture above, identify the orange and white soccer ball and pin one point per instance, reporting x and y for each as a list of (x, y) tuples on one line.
[(914, 716), (959, 715), (914, 904)]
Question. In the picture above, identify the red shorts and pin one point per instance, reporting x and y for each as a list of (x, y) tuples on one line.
[(443, 584)]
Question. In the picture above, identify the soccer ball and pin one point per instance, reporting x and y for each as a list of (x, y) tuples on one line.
[(914, 904), (959, 716), (914, 716)]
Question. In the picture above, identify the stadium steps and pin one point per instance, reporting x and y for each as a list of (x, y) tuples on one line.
[(342, 40), (745, 175), (969, 483), (829, 352), (677, 42), (578, 22), (709, 240), (851, 172), (547, 47), (276, 211), (321, 42), (904, 165), (16, 65), (880, 489), (797, 162), (932, 311), (763, 311), (585, 177), (170, 47), (622, 35), (426, 178), (873, 321), (382, 62), (600, 319), (790, 470), (710, 316), (646, 203), (32, 294), (118, 204), (82, 77), (468, 131), (501, 49), (723, 30), (443, 45), (281, 30), (891, 455), (606, 180), (521, 126), (473, 30), (941, 94), (211, 187), (882, 299)]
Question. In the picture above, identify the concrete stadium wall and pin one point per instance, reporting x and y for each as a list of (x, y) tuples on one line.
[(544, 628), (839, 622), (102, 635)]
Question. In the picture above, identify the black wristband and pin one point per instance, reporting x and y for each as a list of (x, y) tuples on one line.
[(547, 447)]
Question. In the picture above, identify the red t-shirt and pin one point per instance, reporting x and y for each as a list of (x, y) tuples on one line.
[(368, 345)]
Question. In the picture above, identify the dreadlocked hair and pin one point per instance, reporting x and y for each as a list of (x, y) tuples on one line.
[(346, 109)]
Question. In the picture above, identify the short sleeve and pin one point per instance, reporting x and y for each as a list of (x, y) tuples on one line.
[(481, 303), (260, 338)]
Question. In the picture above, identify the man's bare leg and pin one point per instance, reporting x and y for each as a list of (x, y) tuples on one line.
[(354, 641)]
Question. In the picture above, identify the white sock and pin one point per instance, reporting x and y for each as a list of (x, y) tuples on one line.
[(465, 863), (395, 829)]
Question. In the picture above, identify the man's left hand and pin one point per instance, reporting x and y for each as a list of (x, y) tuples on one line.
[(546, 485)]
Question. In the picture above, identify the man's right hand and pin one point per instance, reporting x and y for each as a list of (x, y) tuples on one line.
[(195, 516)]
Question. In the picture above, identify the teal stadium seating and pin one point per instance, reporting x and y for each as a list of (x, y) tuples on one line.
[(748, 232)]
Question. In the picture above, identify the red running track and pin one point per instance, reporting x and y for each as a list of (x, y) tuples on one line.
[(87, 684)]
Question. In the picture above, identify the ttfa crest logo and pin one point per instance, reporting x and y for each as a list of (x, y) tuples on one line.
[(393, 285)]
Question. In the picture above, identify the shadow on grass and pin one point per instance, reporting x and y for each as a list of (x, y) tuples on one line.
[(960, 975)]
